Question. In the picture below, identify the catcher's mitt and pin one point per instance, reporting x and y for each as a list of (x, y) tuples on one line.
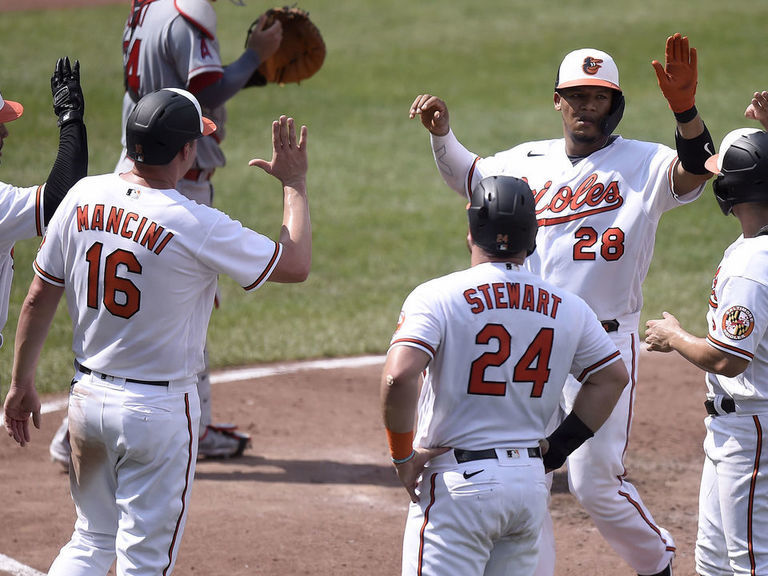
[(301, 52)]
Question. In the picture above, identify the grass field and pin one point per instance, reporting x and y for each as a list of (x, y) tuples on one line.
[(383, 219)]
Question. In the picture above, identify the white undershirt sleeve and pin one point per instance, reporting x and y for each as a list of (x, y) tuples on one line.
[(453, 160)]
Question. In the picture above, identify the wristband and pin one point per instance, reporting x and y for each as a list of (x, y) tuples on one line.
[(687, 116), (571, 434), (400, 445), (693, 153), (404, 460)]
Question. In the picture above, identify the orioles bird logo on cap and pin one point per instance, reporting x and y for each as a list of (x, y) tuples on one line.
[(591, 65)]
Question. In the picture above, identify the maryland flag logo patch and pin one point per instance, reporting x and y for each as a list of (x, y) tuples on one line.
[(738, 322)]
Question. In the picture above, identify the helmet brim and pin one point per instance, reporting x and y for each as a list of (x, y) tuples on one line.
[(713, 164)]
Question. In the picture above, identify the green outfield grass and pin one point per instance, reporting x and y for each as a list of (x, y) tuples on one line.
[(383, 219)]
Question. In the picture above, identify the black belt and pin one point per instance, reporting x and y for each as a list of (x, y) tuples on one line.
[(727, 405), (610, 325), (490, 454), (86, 370)]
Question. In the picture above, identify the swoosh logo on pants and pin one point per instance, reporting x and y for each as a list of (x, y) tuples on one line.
[(468, 475)]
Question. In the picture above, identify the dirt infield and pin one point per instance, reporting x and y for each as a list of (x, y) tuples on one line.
[(316, 494)]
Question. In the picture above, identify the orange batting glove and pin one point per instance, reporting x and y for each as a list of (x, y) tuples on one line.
[(679, 75)]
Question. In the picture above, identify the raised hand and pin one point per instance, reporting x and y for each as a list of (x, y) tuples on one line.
[(68, 101)]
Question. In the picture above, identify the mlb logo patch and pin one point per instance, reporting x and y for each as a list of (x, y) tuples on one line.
[(133, 193), (513, 453)]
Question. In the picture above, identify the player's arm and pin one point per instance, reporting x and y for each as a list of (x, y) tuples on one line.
[(72, 158), (289, 165), (667, 335), (262, 43), (35, 319), (591, 408), (677, 80), (453, 160), (399, 392)]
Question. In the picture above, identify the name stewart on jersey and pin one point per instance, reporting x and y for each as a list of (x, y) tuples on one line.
[(122, 222), (588, 198), (501, 295)]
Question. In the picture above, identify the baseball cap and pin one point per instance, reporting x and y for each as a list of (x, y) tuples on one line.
[(715, 162), (10, 110), (587, 67)]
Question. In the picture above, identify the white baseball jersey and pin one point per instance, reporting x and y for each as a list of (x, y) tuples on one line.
[(139, 266), (502, 342), (738, 320), (163, 49), (730, 538), (21, 217), (597, 219)]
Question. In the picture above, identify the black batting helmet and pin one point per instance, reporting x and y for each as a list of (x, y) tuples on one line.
[(502, 216), (161, 123), (742, 168)]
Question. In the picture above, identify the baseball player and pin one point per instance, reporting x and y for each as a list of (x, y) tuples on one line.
[(733, 496), (138, 262), (173, 44), (484, 338), (599, 198), (26, 211)]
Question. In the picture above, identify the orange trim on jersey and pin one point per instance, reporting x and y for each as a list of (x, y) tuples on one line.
[(414, 342), (39, 210), (729, 348), (752, 488), (176, 540), (469, 177), (597, 365), (267, 270), (426, 522), (50, 277), (671, 174)]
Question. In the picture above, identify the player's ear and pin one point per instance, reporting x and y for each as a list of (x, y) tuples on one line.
[(556, 99)]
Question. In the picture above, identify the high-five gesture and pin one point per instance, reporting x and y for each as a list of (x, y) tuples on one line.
[(289, 156), (679, 75)]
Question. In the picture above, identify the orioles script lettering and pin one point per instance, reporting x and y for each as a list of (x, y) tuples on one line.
[(568, 204)]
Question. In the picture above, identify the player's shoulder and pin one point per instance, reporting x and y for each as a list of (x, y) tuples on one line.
[(535, 148), (640, 147), (200, 14), (748, 258)]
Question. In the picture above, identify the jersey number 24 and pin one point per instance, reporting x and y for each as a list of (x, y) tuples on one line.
[(533, 365)]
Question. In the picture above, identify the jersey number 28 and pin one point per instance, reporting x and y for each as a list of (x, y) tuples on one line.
[(533, 365)]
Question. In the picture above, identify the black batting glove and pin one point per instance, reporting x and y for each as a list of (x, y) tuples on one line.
[(68, 101)]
